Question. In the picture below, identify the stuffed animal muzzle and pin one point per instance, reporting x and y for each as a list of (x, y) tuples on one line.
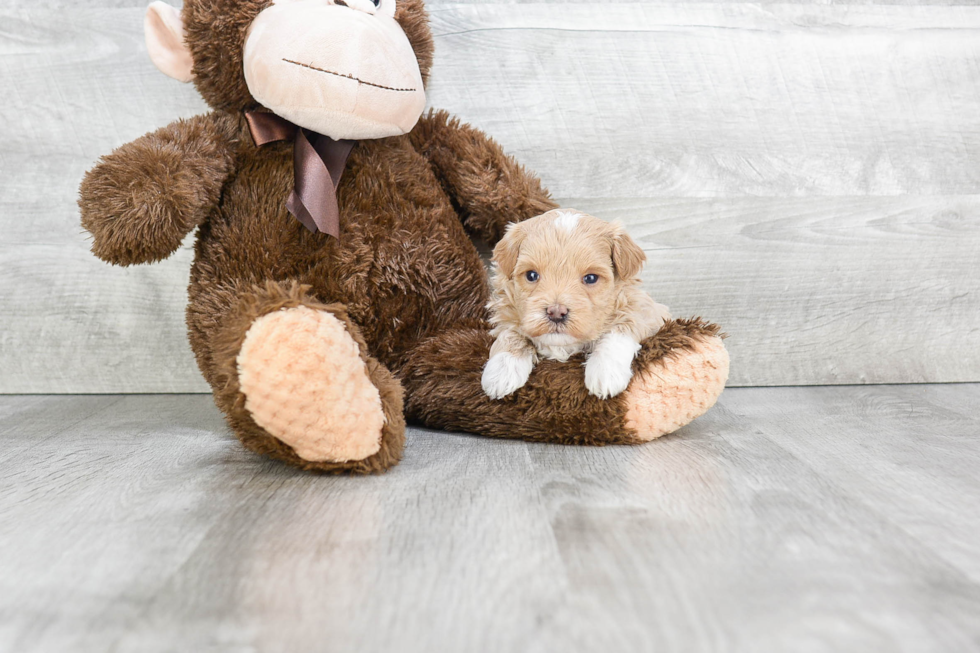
[(345, 70)]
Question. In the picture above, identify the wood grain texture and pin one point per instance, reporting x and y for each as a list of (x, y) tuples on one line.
[(817, 519), (805, 174), (824, 289), (700, 101)]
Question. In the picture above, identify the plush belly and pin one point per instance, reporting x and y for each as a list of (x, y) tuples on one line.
[(403, 264)]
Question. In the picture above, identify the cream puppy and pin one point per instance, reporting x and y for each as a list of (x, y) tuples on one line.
[(563, 283)]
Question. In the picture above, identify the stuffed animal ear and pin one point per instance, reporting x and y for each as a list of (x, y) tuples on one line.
[(165, 41), (508, 249), (627, 257)]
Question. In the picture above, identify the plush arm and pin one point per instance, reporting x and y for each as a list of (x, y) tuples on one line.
[(140, 201), (489, 188)]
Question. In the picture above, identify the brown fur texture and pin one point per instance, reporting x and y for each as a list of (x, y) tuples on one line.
[(486, 184), (443, 390), (152, 192), (403, 277)]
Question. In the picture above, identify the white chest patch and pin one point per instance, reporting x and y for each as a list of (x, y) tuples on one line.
[(567, 220), (558, 347), (557, 352)]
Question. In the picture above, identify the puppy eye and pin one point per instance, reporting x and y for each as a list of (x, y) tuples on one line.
[(531, 276), (590, 278)]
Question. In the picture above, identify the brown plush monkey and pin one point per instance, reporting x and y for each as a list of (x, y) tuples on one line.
[(318, 347)]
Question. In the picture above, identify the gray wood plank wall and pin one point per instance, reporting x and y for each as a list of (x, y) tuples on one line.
[(805, 174)]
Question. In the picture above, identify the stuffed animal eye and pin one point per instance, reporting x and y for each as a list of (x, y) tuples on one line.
[(531, 276), (590, 278), (377, 3)]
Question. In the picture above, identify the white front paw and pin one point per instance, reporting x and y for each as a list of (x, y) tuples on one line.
[(610, 367), (505, 373), (606, 377)]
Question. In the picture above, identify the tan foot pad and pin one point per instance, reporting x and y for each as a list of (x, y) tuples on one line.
[(305, 383), (662, 399)]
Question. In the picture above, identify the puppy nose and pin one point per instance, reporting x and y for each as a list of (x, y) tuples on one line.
[(557, 313)]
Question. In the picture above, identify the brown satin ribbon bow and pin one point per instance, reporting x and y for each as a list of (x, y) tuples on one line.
[(318, 163)]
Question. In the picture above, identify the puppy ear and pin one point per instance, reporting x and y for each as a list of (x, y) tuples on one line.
[(509, 248), (627, 257), (164, 32)]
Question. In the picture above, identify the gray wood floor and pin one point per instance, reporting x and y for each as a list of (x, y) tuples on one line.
[(787, 519)]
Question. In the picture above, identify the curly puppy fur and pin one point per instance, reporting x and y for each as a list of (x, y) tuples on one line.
[(403, 277), (561, 258), (563, 283)]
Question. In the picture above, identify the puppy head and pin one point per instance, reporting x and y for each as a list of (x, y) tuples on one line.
[(558, 276)]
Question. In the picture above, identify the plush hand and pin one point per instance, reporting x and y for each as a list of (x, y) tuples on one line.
[(140, 201)]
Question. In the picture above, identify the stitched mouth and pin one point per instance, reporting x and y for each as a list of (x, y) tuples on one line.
[(359, 81)]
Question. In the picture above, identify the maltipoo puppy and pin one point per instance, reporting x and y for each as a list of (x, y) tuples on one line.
[(563, 283)]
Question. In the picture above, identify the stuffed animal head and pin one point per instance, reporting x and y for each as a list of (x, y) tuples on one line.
[(350, 69)]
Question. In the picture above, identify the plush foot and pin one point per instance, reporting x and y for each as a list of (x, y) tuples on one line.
[(305, 383), (669, 392)]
